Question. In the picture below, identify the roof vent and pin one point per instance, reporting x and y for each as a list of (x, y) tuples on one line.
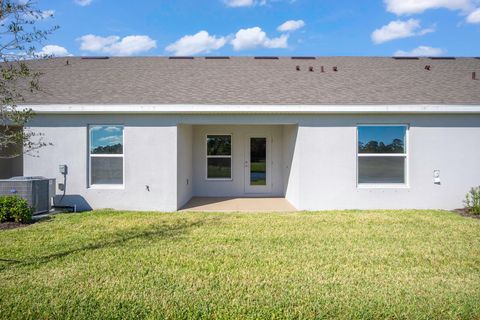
[(95, 58), (297, 68), (304, 58), (474, 76), (428, 67), (266, 58), (217, 58), (406, 58), (310, 69), (180, 58), (335, 68), (442, 58)]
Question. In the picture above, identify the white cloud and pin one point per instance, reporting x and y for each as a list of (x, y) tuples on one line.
[(110, 140), (402, 7), (201, 42), (399, 29), (83, 3), (244, 3), (40, 15), (53, 50), (113, 129), (254, 37), (239, 3), (421, 51), (117, 46), (474, 16), (95, 43), (291, 25), (47, 14)]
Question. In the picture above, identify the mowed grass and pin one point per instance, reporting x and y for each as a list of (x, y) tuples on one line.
[(356, 264)]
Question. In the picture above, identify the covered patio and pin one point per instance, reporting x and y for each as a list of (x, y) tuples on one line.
[(243, 167), (230, 204)]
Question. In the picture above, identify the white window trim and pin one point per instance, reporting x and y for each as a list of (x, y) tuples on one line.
[(221, 157), (406, 184), (90, 156)]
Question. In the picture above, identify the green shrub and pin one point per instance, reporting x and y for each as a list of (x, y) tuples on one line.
[(14, 208), (472, 200)]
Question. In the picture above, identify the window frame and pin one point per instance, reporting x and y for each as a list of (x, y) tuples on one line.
[(90, 156), (405, 155), (207, 156)]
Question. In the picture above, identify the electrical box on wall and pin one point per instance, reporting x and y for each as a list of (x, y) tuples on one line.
[(436, 176), (63, 169)]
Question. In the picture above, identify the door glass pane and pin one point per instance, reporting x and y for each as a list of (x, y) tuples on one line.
[(258, 161), (381, 139), (381, 170)]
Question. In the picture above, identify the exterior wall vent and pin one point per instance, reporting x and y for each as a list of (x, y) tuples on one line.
[(95, 58), (303, 58), (181, 58), (442, 58), (406, 58), (217, 58), (266, 58)]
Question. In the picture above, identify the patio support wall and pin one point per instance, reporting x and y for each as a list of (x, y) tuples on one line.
[(184, 164)]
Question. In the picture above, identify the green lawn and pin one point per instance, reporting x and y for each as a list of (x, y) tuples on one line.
[(105, 264)]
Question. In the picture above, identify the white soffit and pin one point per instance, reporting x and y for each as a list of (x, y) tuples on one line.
[(252, 109)]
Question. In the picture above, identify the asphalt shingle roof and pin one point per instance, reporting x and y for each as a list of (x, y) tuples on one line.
[(245, 80)]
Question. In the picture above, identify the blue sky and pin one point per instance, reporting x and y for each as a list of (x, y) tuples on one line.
[(252, 27)]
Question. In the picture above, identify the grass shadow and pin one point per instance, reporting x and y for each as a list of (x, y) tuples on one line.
[(159, 232), (18, 225)]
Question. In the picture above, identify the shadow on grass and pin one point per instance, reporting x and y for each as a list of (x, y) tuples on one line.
[(158, 232), (17, 225)]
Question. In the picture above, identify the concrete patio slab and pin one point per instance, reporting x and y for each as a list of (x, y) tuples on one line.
[(238, 205)]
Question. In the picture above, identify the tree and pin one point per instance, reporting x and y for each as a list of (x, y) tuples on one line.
[(18, 36)]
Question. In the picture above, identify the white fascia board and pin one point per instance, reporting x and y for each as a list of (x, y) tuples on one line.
[(250, 109)]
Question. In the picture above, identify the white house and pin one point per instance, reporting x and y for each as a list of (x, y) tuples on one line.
[(150, 133)]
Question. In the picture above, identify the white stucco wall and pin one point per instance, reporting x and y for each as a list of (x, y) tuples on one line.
[(150, 160), (291, 161), (321, 153), (449, 143), (184, 164), (236, 186)]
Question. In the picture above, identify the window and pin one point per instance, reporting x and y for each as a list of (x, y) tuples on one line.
[(382, 154), (106, 155), (219, 157)]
